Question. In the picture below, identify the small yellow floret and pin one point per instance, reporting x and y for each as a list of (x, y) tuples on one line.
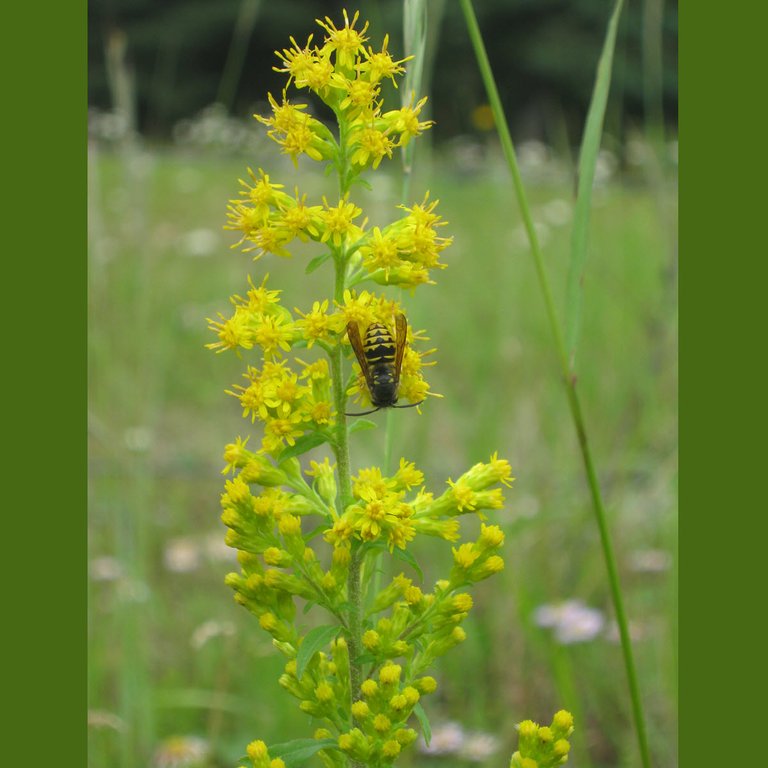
[(369, 688), (257, 750), (382, 723), (563, 720), (390, 673), (324, 692), (391, 748), (561, 747)]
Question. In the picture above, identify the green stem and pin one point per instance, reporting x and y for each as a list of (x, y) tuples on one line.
[(341, 446), (354, 625), (355, 618), (568, 378)]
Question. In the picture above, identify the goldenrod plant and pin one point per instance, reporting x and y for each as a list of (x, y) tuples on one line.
[(311, 533), (543, 746)]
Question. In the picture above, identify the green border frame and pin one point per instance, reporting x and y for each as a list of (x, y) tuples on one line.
[(44, 415), (722, 298)]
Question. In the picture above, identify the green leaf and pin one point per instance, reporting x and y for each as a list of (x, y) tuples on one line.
[(298, 751), (302, 445), (590, 147), (315, 640), (322, 528), (362, 182), (362, 424), (316, 262), (421, 716), (407, 557)]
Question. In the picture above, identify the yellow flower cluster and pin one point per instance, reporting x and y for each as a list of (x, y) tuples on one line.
[(267, 591), (404, 252), (259, 755), (323, 683), (386, 509), (280, 517), (401, 253), (347, 76), (544, 746), (381, 716), (291, 404), (289, 408), (419, 626)]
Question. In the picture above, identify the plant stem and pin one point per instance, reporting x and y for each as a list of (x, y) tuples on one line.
[(568, 378), (355, 622), (341, 449)]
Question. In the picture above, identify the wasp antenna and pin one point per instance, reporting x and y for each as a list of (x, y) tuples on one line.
[(410, 405), (363, 413)]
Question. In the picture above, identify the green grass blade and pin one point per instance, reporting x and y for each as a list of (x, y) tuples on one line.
[(590, 147), (415, 40), (568, 379)]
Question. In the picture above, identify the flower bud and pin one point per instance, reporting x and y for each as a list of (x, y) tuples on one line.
[(261, 471)]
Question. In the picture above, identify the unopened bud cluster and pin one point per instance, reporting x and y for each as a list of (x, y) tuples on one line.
[(543, 746)]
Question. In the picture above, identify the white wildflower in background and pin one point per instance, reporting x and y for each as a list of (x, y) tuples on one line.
[(650, 561), (451, 738), (105, 569), (182, 555), (479, 747), (557, 212), (99, 718), (572, 621), (209, 630), (182, 752), (200, 242), (138, 439)]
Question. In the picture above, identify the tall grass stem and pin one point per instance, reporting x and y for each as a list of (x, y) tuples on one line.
[(568, 379)]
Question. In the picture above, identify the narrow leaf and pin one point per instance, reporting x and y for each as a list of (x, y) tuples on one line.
[(322, 528), (362, 424), (298, 751), (315, 640), (407, 557), (400, 554), (590, 147), (302, 445), (415, 41), (316, 262), (421, 716)]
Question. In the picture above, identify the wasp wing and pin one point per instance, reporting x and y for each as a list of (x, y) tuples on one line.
[(353, 332), (401, 336)]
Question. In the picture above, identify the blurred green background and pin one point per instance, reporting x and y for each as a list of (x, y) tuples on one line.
[(179, 675)]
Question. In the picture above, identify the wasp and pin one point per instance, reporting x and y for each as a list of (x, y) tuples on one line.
[(381, 358)]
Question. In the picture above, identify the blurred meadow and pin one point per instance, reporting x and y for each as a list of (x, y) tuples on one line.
[(179, 675)]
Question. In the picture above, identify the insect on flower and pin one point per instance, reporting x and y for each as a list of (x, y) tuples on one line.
[(381, 358)]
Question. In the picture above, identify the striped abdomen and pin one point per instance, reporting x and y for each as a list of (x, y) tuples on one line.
[(379, 349), (378, 345)]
